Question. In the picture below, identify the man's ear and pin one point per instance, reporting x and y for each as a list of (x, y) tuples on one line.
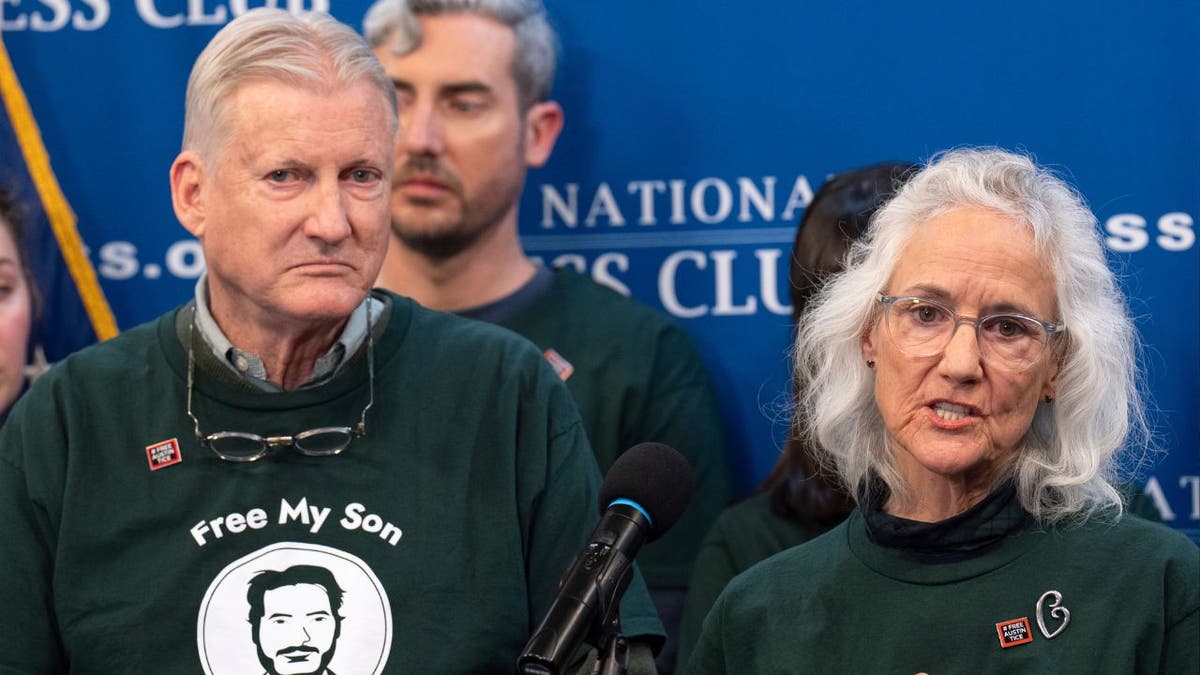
[(188, 192), (543, 122)]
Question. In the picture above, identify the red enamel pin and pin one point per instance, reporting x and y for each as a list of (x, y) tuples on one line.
[(561, 366), (163, 454), (1014, 632)]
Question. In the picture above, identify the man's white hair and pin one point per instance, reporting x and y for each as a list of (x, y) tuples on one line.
[(312, 50)]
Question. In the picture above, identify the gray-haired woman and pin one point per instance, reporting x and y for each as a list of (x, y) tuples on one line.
[(972, 377)]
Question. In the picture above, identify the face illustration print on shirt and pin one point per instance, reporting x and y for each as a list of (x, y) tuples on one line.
[(295, 609)]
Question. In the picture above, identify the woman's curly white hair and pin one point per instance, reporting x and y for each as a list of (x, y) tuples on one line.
[(1066, 464)]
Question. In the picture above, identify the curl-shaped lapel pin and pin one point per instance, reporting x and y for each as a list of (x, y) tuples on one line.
[(1056, 610)]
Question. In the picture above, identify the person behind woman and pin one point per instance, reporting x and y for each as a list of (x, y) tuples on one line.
[(972, 377), (797, 501), (17, 303)]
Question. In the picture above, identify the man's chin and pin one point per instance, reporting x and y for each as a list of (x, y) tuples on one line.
[(319, 298), (438, 245)]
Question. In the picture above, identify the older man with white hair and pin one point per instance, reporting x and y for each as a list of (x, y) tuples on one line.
[(290, 416)]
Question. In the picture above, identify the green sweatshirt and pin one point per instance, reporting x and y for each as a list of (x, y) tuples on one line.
[(1113, 598), (636, 377), (433, 544), (744, 534)]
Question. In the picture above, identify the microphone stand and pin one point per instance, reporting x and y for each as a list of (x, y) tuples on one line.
[(613, 650)]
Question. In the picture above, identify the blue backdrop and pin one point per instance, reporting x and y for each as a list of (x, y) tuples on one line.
[(696, 134)]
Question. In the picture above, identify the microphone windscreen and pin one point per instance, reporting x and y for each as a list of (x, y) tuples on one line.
[(656, 477)]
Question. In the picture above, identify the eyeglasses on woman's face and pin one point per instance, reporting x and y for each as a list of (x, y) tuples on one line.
[(921, 327)]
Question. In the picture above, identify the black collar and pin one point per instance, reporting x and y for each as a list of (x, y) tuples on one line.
[(970, 534)]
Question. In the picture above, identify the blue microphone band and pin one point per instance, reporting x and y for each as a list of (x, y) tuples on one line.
[(630, 502)]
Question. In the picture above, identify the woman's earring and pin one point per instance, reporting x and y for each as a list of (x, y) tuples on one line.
[(870, 363)]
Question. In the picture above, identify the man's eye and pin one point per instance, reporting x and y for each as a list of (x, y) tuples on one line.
[(281, 175), (363, 175), (466, 106)]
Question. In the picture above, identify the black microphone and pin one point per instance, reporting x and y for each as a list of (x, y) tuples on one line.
[(645, 491)]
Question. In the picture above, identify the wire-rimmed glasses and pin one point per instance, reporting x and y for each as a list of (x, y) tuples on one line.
[(241, 446), (921, 327)]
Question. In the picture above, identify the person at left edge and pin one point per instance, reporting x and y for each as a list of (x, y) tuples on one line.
[(290, 416), (18, 303)]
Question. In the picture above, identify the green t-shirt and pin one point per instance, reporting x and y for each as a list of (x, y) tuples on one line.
[(843, 603), (635, 376), (744, 535), (129, 548)]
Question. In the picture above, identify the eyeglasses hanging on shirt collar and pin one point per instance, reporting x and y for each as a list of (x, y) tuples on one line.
[(241, 446)]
